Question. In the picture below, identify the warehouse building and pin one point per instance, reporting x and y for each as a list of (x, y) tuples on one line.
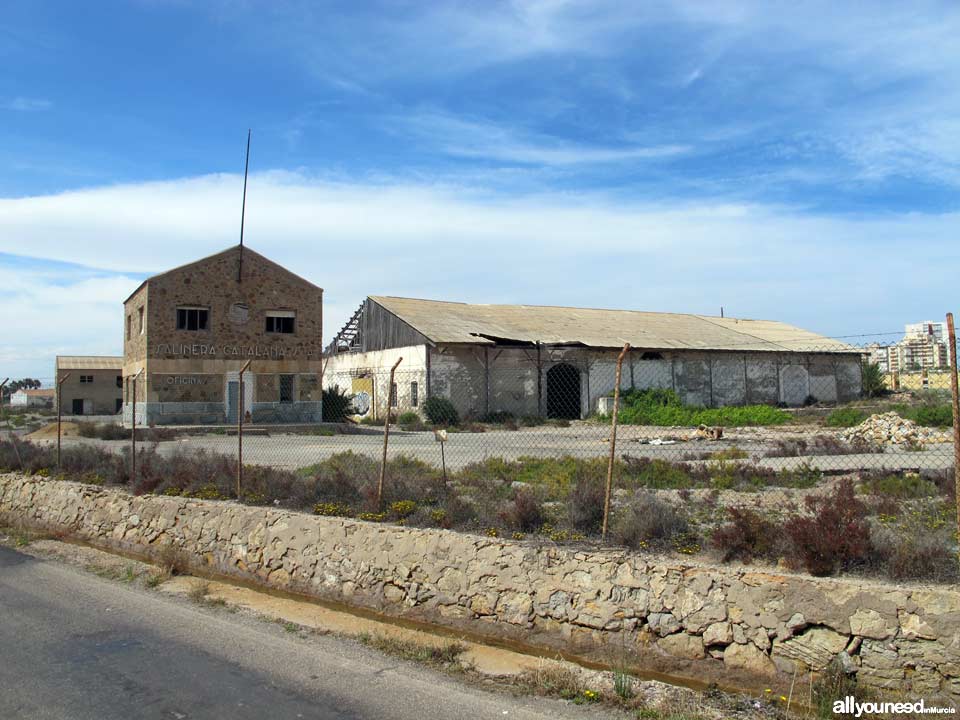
[(89, 384), (560, 362), (188, 333)]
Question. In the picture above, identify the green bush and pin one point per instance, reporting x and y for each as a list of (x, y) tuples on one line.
[(337, 405), (408, 418), (663, 407), (440, 411), (845, 417), (906, 485), (938, 416), (873, 382)]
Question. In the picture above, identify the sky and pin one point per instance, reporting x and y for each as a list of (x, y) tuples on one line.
[(789, 161)]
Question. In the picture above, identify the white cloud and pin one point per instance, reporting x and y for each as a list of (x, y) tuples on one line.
[(829, 274), (26, 104), (490, 141), (69, 311)]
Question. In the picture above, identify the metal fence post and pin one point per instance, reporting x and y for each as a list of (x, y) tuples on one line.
[(59, 414), (240, 429), (952, 334), (133, 430), (2, 411), (613, 444), (386, 434)]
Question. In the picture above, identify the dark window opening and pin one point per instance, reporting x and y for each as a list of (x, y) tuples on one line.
[(563, 392), (86, 378), (414, 394), (651, 356), (286, 388), (77, 407), (192, 318), (280, 324), (120, 381), (393, 395)]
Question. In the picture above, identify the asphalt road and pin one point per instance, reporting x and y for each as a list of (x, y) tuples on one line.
[(74, 646)]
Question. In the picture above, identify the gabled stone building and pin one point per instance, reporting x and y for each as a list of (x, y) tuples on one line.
[(189, 331)]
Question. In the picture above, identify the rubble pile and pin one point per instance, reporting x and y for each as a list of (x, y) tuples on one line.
[(891, 429)]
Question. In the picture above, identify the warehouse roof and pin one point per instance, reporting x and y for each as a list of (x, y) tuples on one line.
[(453, 322), (88, 362)]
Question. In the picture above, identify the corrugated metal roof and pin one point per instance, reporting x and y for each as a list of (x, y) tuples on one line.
[(88, 362), (452, 322)]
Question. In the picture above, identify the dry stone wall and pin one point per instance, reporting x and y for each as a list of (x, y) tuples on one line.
[(738, 626)]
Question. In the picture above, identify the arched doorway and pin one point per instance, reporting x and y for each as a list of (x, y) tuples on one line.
[(563, 392)]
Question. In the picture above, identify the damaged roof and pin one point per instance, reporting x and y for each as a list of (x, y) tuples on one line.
[(454, 322)]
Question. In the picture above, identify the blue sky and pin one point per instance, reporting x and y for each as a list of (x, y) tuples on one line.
[(792, 161)]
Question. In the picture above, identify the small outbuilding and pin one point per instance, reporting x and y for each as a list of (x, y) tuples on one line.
[(560, 361), (89, 384), (40, 398)]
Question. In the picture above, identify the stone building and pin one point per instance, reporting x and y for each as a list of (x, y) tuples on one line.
[(560, 362), (93, 385), (189, 331)]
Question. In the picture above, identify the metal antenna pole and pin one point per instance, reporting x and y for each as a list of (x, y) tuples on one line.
[(243, 207)]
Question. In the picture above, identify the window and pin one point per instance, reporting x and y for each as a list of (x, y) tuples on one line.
[(120, 381), (286, 388), (414, 394), (86, 378), (192, 318), (393, 395), (281, 321), (140, 318), (129, 322)]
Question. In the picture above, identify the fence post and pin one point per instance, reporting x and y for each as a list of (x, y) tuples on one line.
[(613, 444), (60, 382), (3, 415), (952, 333), (240, 429), (386, 434), (133, 429)]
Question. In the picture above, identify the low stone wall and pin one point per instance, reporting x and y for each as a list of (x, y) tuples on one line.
[(736, 626)]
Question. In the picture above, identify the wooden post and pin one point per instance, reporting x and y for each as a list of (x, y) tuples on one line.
[(952, 334), (240, 429), (3, 385), (133, 433), (60, 382), (386, 434), (613, 444)]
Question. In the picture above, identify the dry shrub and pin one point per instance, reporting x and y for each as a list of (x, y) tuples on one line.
[(585, 504), (747, 536), (834, 535), (648, 521), (525, 513)]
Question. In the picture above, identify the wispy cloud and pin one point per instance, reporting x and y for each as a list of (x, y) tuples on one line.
[(26, 104), (462, 243), (491, 141)]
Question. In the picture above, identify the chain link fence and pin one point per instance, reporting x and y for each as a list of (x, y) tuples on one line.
[(817, 460)]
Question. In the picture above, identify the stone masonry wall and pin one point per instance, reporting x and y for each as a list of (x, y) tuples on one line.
[(736, 626)]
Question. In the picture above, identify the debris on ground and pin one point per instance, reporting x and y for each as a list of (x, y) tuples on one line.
[(888, 429)]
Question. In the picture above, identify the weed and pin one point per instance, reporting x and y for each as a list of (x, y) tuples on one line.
[(442, 654), (623, 685), (845, 417), (156, 578), (648, 520)]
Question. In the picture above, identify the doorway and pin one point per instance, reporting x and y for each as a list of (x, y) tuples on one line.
[(563, 392)]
